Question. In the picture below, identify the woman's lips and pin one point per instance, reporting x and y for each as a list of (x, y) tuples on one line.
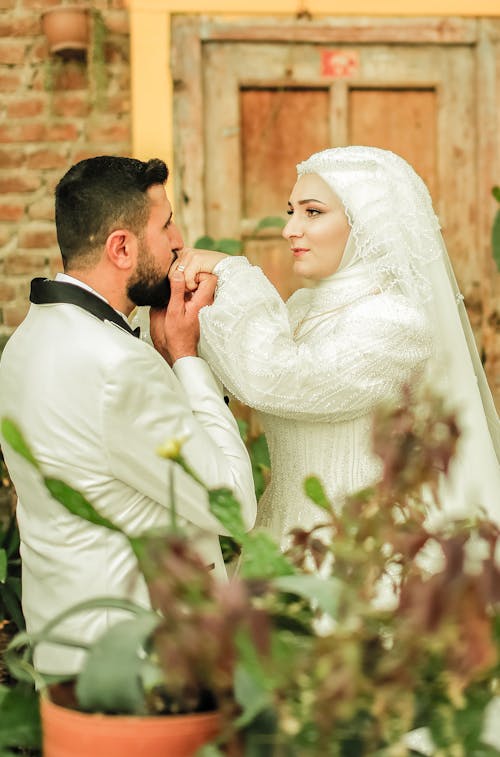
[(298, 251)]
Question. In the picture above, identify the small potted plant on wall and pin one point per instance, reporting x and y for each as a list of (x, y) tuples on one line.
[(300, 654), (76, 34), (67, 27)]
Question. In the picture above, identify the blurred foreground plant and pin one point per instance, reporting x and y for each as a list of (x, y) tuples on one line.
[(369, 626)]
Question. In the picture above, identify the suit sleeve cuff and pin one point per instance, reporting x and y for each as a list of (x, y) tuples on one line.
[(196, 377)]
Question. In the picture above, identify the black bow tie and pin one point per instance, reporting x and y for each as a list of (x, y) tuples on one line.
[(47, 292)]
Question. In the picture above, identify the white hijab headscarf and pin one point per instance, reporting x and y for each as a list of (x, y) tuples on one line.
[(396, 239)]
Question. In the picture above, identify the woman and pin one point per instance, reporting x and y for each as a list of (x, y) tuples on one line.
[(384, 310)]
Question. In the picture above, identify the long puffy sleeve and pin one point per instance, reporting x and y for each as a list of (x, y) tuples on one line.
[(348, 363)]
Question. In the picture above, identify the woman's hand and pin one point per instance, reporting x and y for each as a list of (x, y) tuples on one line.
[(193, 262), (175, 330)]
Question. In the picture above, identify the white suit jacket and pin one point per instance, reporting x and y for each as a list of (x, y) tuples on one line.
[(94, 403)]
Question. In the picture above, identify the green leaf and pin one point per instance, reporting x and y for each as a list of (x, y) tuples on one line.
[(496, 193), (77, 504), (140, 544), (250, 694), (229, 246), (13, 436), (259, 451), (10, 596), (96, 603), (3, 566), (226, 508), (14, 583), (495, 240), (259, 481), (270, 222), (19, 653), (259, 457), (230, 548), (205, 243), (250, 660), (11, 538), (243, 429), (209, 750), (323, 592), (262, 558), (263, 739), (314, 490), (110, 680), (19, 718), (66, 495)]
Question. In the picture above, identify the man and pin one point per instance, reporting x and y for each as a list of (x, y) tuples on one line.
[(95, 402)]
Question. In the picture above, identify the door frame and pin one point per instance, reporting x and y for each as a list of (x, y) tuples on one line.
[(478, 33), (150, 41), (153, 87)]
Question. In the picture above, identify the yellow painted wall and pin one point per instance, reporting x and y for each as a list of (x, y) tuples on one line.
[(329, 7), (150, 48)]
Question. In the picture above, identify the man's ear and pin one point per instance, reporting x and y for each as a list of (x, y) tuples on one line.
[(121, 248)]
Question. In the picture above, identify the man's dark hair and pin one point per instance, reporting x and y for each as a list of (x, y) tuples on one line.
[(97, 196)]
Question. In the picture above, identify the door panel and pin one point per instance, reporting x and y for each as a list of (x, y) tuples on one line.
[(401, 120), (274, 123)]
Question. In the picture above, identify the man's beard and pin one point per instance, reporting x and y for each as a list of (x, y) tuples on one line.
[(147, 285)]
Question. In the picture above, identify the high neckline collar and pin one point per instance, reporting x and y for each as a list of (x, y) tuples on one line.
[(343, 287)]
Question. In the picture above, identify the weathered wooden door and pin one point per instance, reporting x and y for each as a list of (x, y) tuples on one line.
[(251, 100)]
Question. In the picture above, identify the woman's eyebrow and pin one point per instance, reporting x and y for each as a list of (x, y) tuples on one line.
[(309, 199)]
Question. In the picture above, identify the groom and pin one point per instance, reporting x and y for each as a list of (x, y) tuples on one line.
[(95, 401)]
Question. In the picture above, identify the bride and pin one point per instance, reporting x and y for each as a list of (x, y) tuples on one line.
[(384, 310)]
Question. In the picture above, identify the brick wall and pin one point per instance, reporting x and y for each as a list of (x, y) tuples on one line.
[(43, 132)]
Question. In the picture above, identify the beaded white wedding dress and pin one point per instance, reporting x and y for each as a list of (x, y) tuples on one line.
[(315, 368)]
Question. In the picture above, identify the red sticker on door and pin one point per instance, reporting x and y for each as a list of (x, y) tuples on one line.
[(339, 64)]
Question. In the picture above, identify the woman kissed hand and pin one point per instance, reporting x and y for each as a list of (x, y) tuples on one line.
[(193, 262)]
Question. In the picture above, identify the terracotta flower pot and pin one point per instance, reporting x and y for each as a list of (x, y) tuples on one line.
[(67, 27), (80, 734)]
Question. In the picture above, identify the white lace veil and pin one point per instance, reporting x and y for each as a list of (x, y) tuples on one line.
[(396, 237)]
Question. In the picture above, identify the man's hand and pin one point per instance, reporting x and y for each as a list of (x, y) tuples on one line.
[(175, 330), (194, 262)]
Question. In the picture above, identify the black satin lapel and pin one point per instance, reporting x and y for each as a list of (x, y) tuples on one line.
[(47, 292)]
